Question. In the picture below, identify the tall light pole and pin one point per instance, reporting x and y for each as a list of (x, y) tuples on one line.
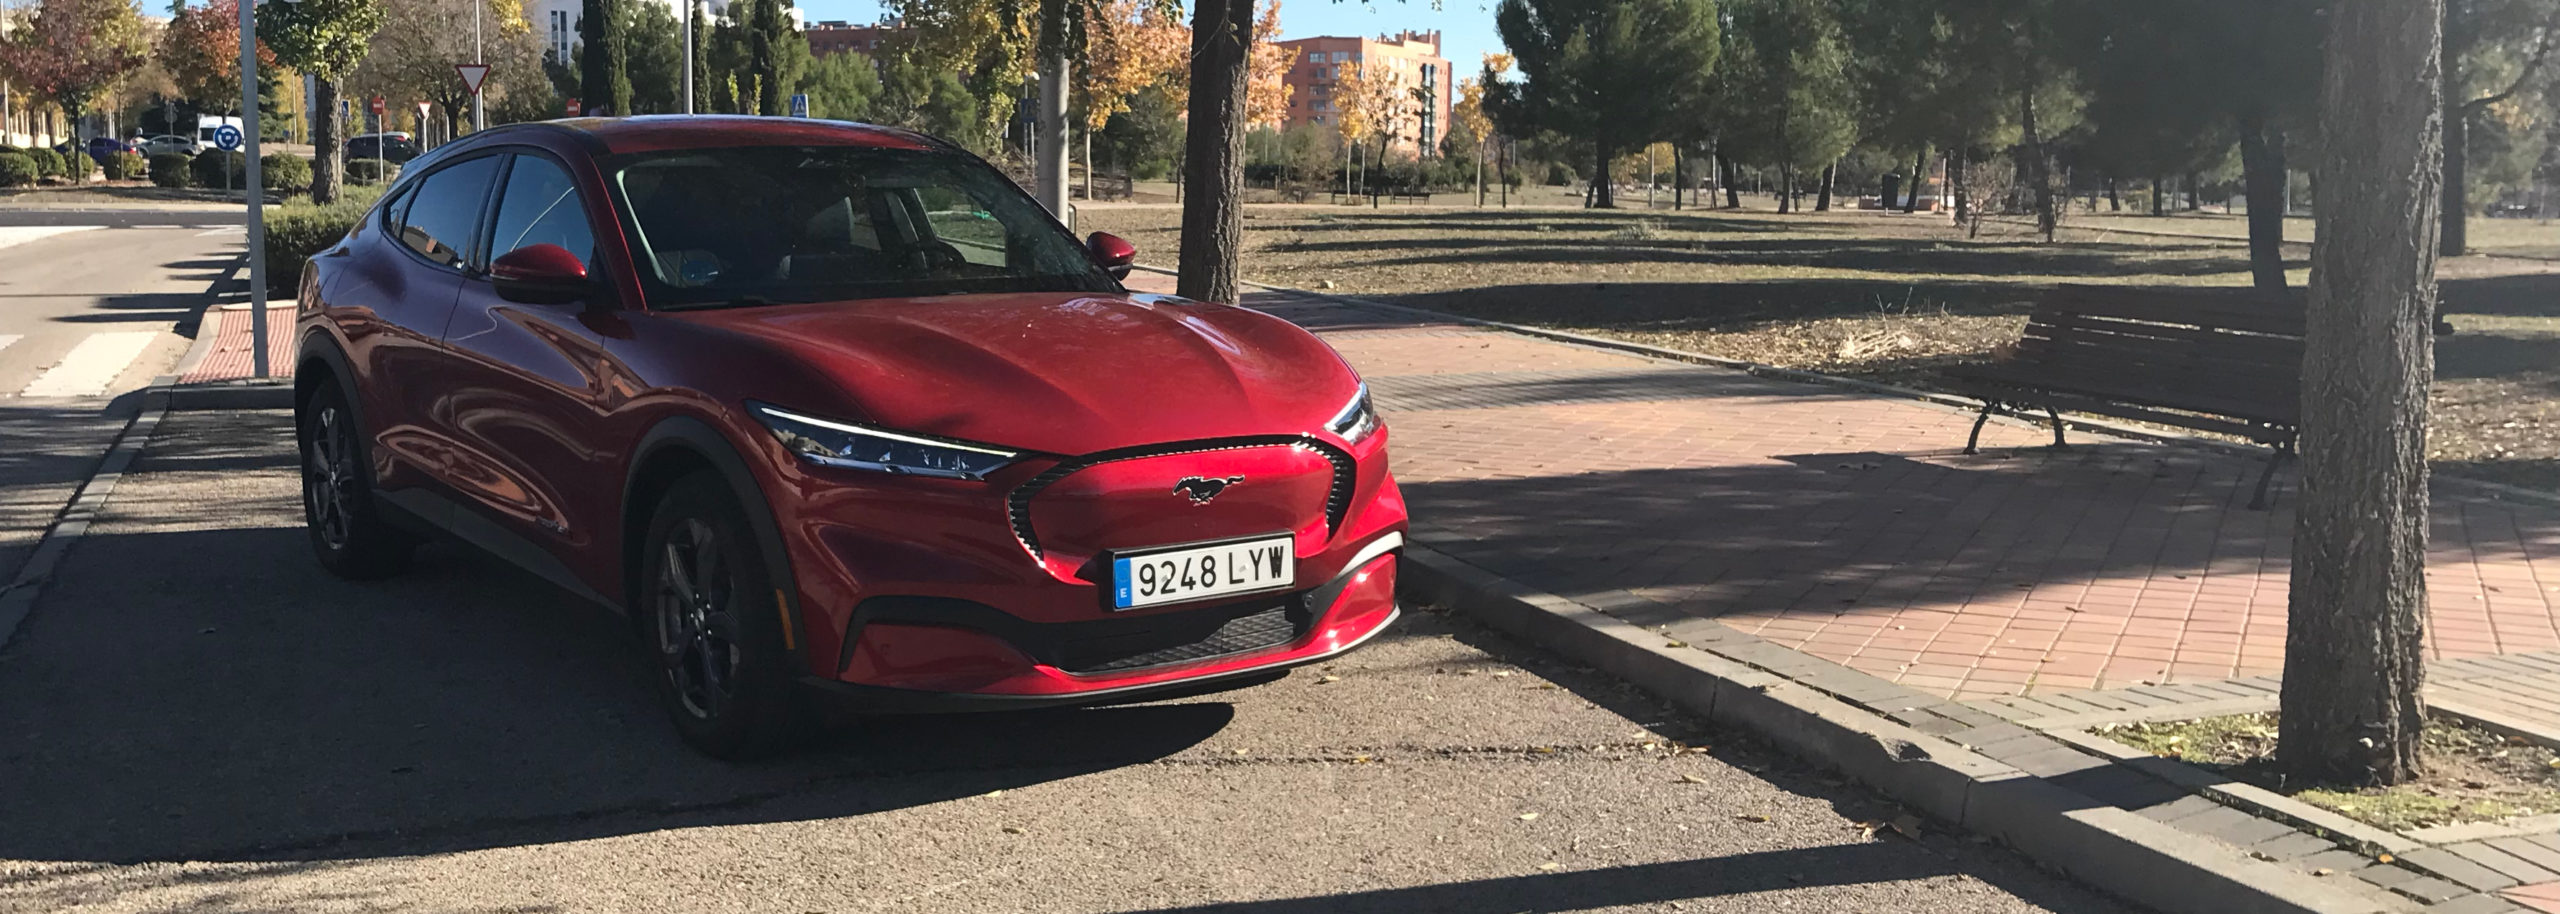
[(688, 56), (254, 191), (479, 115)]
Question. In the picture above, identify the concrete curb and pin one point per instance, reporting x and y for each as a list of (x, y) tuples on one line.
[(232, 395), (18, 598), (2112, 849)]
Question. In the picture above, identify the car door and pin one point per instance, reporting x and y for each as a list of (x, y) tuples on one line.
[(394, 305), (535, 384)]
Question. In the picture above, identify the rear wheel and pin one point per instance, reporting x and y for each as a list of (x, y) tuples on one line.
[(713, 619), (347, 530)]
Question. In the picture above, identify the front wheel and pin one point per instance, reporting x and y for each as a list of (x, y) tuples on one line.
[(714, 622), (348, 533)]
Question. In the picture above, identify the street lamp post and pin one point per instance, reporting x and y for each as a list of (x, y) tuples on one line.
[(479, 115), (254, 190), (688, 56)]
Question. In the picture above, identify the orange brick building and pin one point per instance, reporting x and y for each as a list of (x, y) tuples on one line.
[(1414, 62), (827, 39)]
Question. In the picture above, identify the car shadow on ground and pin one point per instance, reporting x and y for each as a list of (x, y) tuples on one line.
[(193, 687)]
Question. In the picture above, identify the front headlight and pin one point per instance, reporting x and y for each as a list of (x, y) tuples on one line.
[(1356, 420), (838, 444)]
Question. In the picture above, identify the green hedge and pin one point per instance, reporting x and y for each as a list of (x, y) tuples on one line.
[(17, 169), (48, 162), (219, 169), (300, 228), (285, 172), (169, 169), (367, 171), (126, 166)]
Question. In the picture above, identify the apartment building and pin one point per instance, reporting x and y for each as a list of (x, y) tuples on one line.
[(1411, 60)]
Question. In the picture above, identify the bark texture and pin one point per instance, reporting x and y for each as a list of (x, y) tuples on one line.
[(328, 159), (1213, 152), (2353, 665)]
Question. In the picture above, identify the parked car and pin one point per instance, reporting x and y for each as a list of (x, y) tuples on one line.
[(171, 143), (392, 147), (102, 148), (835, 413)]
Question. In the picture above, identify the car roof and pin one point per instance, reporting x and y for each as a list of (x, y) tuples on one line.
[(650, 133)]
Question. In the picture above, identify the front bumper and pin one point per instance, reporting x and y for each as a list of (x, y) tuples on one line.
[(911, 656)]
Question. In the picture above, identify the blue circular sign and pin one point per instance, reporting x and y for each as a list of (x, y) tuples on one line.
[(226, 136)]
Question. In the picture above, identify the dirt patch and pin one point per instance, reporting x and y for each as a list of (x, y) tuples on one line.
[(2472, 775)]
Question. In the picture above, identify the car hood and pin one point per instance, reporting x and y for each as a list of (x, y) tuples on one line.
[(1056, 373)]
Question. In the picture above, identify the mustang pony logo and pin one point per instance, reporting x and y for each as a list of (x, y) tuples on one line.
[(1203, 488)]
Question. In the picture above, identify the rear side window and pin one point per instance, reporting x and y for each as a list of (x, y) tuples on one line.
[(541, 206), (443, 213)]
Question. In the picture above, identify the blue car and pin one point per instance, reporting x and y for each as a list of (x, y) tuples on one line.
[(102, 147)]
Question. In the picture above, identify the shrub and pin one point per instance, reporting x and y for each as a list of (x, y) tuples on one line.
[(285, 172), (169, 169), (219, 169), (17, 169), (368, 171), (78, 166), (48, 162), (299, 229), (126, 166)]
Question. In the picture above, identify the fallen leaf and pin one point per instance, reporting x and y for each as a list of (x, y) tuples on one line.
[(1543, 750), (1550, 866), (1691, 779), (2383, 858), (992, 794), (1664, 644), (2324, 871), (1908, 825), (1528, 817), (1012, 830), (1752, 817), (1330, 679)]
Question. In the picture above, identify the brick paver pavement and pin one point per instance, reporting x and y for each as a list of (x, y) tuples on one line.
[(1850, 526)]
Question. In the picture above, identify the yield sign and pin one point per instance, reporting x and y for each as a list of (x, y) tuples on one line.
[(472, 74)]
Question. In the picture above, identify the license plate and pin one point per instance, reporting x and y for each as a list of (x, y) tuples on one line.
[(1200, 572)]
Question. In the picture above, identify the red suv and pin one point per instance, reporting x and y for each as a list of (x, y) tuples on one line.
[(833, 410)]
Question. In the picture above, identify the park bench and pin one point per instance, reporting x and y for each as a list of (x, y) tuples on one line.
[(2227, 361)]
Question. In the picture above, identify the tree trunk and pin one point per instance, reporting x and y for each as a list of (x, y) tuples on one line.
[(2036, 167), (1786, 187), (1830, 172), (1956, 186), (2263, 173), (2353, 659), (1678, 176), (1602, 196), (1919, 176), (1732, 189), (2115, 201), (1213, 152), (2456, 238), (2159, 196), (2195, 192), (328, 168)]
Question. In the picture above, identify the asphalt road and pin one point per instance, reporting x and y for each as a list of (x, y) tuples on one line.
[(195, 718), (88, 315)]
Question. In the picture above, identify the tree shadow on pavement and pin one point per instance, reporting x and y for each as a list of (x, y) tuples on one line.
[(193, 687)]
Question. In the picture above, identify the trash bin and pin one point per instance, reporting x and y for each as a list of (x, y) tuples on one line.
[(1892, 189)]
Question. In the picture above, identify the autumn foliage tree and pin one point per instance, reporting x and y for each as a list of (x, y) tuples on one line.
[(72, 51), (200, 50)]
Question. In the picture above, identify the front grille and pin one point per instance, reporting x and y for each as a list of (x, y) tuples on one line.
[(1337, 502), (1183, 637)]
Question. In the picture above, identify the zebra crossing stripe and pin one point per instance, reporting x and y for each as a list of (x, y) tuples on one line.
[(91, 366)]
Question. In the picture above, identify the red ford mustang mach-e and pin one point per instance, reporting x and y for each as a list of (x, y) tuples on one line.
[(834, 410)]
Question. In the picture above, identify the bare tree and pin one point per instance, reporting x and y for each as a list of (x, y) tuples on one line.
[(2353, 661), (1213, 151)]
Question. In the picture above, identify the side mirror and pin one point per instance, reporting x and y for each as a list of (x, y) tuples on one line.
[(540, 274), (1114, 253)]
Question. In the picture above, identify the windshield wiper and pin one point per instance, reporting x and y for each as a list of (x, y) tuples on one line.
[(740, 301)]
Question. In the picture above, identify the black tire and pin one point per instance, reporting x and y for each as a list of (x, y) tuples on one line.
[(348, 533), (706, 609)]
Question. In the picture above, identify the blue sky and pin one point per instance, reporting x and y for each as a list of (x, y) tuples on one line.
[(1466, 26)]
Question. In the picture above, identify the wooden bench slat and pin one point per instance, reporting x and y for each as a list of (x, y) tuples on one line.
[(2273, 409)]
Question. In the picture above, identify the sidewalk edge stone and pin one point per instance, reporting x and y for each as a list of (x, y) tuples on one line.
[(2114, 850)]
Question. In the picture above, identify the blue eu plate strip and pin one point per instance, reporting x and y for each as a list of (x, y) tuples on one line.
[(1120, 593)]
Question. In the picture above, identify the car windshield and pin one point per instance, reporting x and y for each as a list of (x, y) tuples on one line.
[(773, 224)]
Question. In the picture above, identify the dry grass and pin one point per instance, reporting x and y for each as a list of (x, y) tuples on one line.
[(2472, 775), (1885, 296)]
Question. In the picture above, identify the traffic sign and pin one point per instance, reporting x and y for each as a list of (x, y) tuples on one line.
[(472, 75), (226, 137), (800, 104), (375, 106)]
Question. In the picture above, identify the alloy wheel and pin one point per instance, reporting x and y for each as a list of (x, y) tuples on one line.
[(697, 629), (328, 476)]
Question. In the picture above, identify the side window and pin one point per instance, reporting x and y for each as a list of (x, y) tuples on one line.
[(442, 214), (541, 206)]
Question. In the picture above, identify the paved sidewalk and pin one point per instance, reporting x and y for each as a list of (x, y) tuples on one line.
[(1849, 525)]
